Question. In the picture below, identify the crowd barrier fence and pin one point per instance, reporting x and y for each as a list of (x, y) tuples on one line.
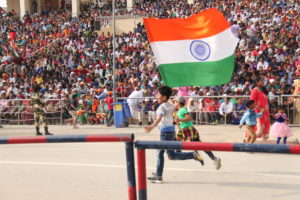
[(20, 113), (203, 146), (126, 138), (201, 115)]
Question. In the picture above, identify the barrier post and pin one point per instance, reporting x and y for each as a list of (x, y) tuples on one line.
[(142, 183), (126, 138), (19, 118), (203, 146), (130, 171)]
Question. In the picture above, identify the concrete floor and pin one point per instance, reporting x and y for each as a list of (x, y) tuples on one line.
[(90, 171)]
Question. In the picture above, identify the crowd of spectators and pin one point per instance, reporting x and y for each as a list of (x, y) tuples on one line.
[(66, 56)]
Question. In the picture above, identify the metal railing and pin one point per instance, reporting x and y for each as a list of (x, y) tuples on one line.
[(124, 138), (19, 111), (106, 21), (292, 107), (170, 146), (204, 116)]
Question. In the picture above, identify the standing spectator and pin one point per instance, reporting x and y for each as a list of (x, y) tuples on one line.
[(73, 109), (84, 109), (109, 101), (235, 29), (134, 100), (296, 113), (297, 72)]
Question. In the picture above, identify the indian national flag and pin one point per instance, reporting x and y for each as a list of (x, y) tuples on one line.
[(197, 51)]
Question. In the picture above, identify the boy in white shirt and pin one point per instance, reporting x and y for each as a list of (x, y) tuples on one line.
[(164, 120)]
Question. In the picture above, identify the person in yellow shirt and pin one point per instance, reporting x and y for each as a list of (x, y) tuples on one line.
[(39, 80)]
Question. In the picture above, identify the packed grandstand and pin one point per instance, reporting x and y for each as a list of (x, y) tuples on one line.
[(67, 56)]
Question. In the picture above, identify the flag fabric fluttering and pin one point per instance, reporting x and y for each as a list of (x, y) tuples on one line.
[(196, 51)]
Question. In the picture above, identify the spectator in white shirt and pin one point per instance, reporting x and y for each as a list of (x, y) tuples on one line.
[(236, 86), (272, 94), (134, 100), (226, 109), (276, 19), (235, 29), (13, 88), (279, 57), (192, 108), (290, 73), (262, 64)]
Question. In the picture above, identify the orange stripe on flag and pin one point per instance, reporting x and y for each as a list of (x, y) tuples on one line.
[(204, 24)]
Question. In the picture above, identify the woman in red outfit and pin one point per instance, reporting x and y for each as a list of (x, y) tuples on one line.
[(259, 95)]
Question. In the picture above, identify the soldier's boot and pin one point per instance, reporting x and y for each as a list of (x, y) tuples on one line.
[(38, 131), (47, 132)]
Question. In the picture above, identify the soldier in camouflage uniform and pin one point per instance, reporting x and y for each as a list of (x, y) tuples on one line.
[(38, 109)]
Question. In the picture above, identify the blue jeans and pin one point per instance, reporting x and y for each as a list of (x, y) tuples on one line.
[(169, 136)]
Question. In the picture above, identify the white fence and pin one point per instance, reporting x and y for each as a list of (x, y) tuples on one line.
[(19, 111), (202, 114)]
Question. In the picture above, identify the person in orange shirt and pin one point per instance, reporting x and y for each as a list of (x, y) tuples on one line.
[(95, 104), (93, 117), (213, 109), (67, 33)]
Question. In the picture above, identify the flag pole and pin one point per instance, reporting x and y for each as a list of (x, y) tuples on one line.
[(114, 49)]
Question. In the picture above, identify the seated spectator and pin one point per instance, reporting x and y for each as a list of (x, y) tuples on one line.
[(27, 113), (226, 109), (214, 110), (152, 112), (238, 110), (8, 112), (69, 55), (144, 110), (102, 112), (272, 94), (192, 108)]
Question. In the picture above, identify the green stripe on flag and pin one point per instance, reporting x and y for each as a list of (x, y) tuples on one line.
[(197, 73)]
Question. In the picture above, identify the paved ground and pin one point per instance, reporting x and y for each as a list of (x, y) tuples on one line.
[(97, 170)]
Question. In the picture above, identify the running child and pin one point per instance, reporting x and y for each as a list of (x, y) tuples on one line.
[(187, 131), (250, 117), (164, 119)]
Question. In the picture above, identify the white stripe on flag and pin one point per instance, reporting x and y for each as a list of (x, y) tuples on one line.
[(221, 45)]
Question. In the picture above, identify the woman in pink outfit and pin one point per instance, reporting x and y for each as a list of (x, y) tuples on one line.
[(183, 91), (280, 128), (260, 97)]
